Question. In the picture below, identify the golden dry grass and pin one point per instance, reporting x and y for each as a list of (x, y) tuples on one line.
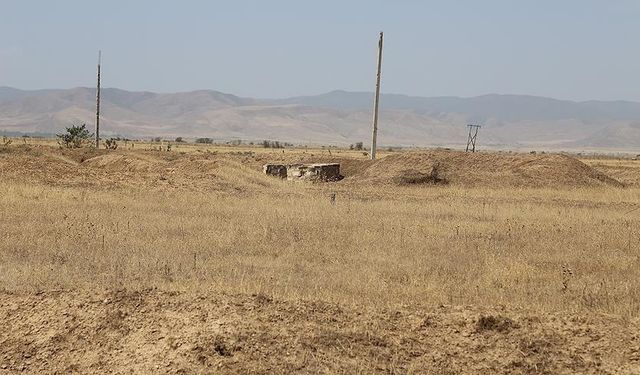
[(550, 249), (169, 262), (626, 171)]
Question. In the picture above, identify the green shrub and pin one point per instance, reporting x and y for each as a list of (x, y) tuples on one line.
[(76, 136)]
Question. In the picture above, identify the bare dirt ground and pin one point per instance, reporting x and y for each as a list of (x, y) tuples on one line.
[(139, 261), (163, 332)]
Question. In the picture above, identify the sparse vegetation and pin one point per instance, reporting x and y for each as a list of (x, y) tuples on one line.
[(357, 146), (6, 141), (271, 144), (111, 144), (498, 245), (204, 140), (276, 144), (76, 136), (509, 269)]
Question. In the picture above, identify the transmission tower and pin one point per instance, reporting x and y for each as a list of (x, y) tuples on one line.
[(473, 134)]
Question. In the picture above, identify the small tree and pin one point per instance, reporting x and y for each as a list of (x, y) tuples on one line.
[(179, 140), (75, 136), (358, 146)]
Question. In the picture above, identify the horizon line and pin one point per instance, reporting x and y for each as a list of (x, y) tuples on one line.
[(326, 93)]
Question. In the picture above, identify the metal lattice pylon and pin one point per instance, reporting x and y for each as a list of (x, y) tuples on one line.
[(473, 134)]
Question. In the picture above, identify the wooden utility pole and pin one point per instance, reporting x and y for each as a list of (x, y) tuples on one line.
[(376, 102), (98, 103)]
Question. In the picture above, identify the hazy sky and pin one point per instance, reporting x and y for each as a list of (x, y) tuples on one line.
[(568, 49)]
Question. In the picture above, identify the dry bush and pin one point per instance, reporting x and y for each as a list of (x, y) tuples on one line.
[(495, 323), (413, 177), (111, 144)]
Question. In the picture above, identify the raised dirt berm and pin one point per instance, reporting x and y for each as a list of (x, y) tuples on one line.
[(491, 169), (148, 170), (323, 172), (124, 162)]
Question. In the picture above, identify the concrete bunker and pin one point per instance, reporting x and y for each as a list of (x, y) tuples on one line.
[(277, 170), (324, 172)]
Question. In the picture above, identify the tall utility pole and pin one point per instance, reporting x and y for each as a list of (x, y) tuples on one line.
[(376, 102), (98, 103)]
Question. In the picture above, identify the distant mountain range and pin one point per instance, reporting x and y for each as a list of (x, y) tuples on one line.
[(337, 117)]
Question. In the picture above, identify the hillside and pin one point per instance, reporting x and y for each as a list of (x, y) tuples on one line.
[(338, 117)]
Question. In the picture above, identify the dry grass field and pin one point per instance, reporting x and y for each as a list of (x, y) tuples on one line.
[(195, 262)]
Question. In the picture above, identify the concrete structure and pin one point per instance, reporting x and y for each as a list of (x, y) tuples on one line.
[(309, 172), (278, 170)]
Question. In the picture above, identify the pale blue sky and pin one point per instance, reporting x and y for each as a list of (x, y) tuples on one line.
[(568, 49)]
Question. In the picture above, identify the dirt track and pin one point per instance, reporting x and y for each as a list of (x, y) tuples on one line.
[(163, 332)]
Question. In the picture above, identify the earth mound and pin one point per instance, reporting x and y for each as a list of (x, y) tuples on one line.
[(122, 163), (148, 170), (485, 169)]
